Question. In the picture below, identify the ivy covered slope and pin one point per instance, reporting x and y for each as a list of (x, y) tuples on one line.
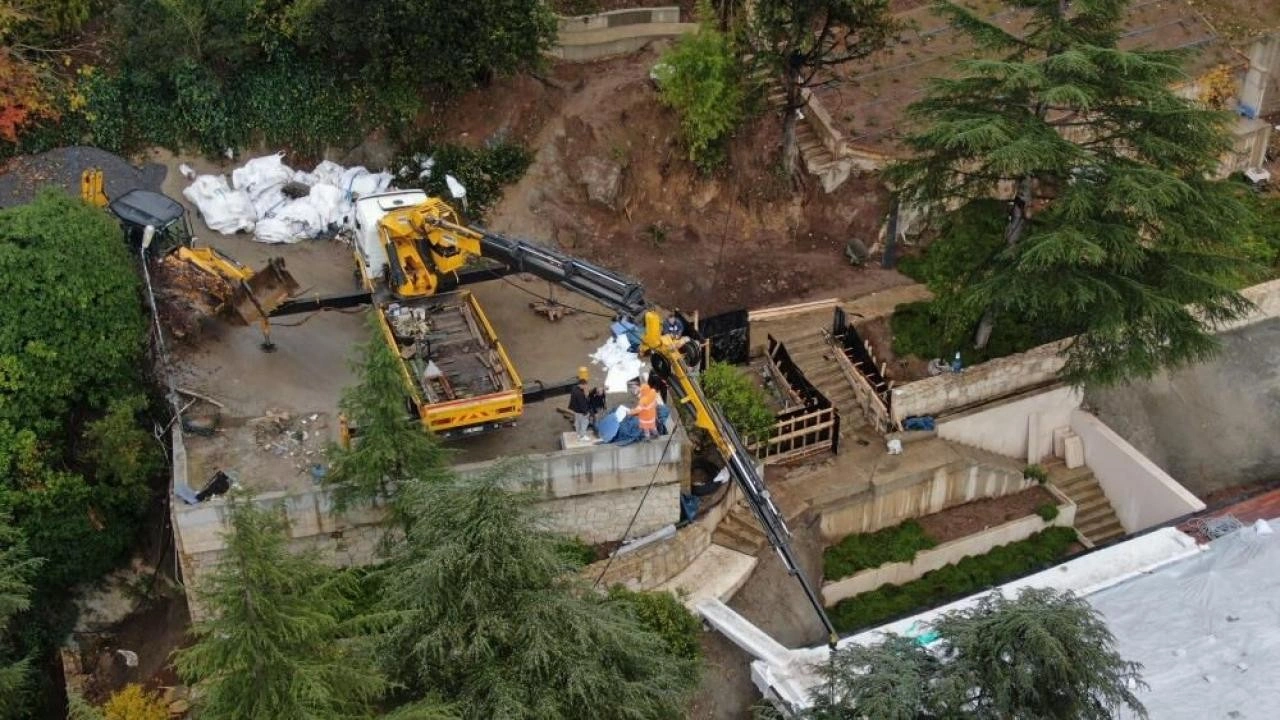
[(74, 462)]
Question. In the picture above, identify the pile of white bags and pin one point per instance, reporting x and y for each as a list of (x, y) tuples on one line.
[(255, 200)]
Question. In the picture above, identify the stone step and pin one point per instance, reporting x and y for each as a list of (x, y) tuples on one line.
[(1086, 506), (717, 573), (1098, 526), (1103, 531), (1081, 487)]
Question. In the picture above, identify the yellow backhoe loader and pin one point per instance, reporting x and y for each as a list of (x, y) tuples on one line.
[(192, 282)]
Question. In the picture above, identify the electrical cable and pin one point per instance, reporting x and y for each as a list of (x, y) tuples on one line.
[(652, 479), (546, 299), (314, 313)]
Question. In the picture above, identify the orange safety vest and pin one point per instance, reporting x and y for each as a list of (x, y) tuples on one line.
[(647, 410)]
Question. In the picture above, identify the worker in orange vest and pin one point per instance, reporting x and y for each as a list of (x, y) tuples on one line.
[(646, 410)]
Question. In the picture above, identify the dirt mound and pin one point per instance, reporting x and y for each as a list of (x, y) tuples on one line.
[(611, 183), (25, 176)]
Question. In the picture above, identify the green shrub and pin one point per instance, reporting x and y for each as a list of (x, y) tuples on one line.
[(742, 401), (701, 78), (483, 172), (576, 551), (864, 551), (1047, 511), (970, 575), (665, 615), (1036, 472)]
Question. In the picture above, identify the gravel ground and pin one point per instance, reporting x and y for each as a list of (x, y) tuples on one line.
[(25, 176)]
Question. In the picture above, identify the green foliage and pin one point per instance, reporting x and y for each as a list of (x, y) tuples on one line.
[(273, 646), (391, 445), (121, 452), (701, 78), (864, 551), (576, 551), (742, 402), (1129, 244), (483, 172), (483, 608), (933, 329), (17, 570), (1043, 654), (1047, 511), (968, 576), (67, 339), (664, 614), (134, 703), (1036, 472)]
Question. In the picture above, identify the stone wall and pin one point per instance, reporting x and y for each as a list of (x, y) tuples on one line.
[(910, 496), (590, 492), (1038, 367), (589, 37), (654, 564), (980, 383)]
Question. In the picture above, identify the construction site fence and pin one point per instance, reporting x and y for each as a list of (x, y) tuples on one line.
[(871, 387), (811, 428)]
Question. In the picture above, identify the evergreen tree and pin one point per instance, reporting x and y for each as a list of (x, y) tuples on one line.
[(487, 612), (1043, 655), (275, 646), (802, 38), (391, 445), (1113, 227), (17, 568)]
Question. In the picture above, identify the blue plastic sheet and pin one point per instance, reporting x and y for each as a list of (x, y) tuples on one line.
[(627, 431)]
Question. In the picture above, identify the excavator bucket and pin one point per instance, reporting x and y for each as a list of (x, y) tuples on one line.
[(253, 299)]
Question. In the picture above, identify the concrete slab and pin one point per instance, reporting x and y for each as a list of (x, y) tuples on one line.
[(717, 573)]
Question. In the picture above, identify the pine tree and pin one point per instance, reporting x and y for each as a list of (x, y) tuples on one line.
[(487, 612), (1043, 655), (275, 646), (17, 569), (1113, 227), (390, 444)]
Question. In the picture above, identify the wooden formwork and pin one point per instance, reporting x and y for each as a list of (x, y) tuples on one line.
[(811, 425)]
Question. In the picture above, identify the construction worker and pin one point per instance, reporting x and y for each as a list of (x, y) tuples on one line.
[(580, 406), (646, 410)]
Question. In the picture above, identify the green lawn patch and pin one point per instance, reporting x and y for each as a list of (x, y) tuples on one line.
[(970, 575), (864, 551)]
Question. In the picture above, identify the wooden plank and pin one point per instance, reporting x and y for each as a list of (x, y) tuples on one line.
[(773, 313)]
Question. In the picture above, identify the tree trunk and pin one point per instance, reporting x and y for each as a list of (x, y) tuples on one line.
[(1013, 233), (790, 147)]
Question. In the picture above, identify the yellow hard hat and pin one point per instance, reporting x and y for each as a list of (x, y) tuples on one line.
[(583, 375)]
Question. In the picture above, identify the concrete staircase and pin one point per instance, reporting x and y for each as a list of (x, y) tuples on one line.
[(817, 159), (717, 573), (740, 531), (1096, 520)]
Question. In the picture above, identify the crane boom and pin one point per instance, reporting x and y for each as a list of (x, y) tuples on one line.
[(626, 297)]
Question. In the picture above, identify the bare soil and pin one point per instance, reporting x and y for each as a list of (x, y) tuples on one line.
[(972, 517), (739, 238), (898, 369)]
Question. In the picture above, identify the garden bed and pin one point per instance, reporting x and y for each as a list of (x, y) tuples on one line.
[(969, 576), (902, 542)]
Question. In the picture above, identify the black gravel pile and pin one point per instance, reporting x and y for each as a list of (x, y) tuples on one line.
[(26, 176)]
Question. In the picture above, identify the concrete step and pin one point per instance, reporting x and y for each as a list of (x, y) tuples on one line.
[(739, 533), (1087, 506), (1103, 531), (1080, 487), (716, 574), (1098, 525)]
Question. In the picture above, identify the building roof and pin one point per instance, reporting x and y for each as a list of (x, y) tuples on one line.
[(1201, 618)]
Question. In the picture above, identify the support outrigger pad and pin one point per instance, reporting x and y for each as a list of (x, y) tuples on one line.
[(267, 346)]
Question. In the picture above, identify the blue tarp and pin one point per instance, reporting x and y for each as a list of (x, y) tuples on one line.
[(627, 431)]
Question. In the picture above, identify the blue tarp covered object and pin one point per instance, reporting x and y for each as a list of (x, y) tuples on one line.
[(627, 431)]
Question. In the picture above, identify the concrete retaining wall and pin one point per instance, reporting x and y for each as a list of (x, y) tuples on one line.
[(1142, 494), (948, 553), (1021, 428), (590, 492), (588, 37), (881, 506), (652, 565)]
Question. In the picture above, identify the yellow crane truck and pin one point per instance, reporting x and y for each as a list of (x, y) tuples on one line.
[(412, 252)]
